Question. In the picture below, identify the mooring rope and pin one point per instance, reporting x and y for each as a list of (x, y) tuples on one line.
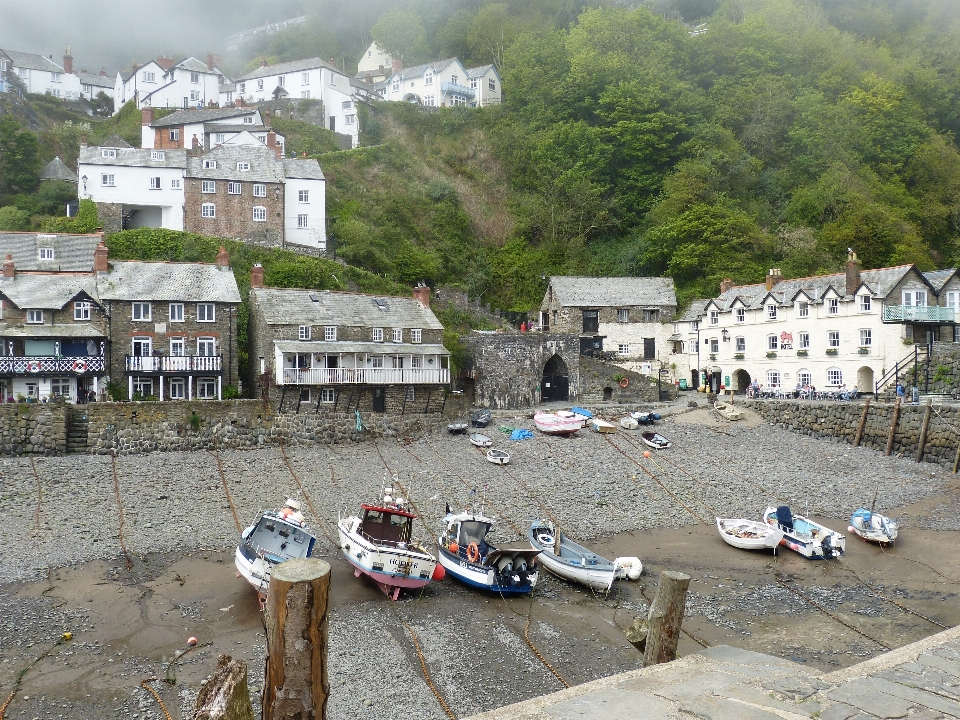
[(116, 489), (226, 490)]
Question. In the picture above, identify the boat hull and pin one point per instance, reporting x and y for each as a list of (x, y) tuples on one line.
[(655, 440), (749, 534), (874, 527), (552, 424), (807, 537), (392, 568), (498, 457), (256, 571), (481, 576), (480, 440)]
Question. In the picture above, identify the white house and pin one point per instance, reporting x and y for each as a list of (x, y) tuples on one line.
[(92, 85), (444, 83), (40, 74), (485, 82), (205, 129), (304, 204), (164, 83), (375, 65)]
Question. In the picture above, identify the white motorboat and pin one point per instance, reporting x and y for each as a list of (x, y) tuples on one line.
[(628, 423), (874, 527), (274, 537), (481, 440), (601, 426), (749, 534), (572, 561), (804, 536), (655, 440), (558, 424), (498, 457)]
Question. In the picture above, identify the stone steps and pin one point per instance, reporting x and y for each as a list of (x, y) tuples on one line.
[(77, 430)]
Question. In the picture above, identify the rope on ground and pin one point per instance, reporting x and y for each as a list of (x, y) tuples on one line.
[(546, 663), (35, 530), (226, 490), (760, 487), (24, 671), (116, 490), (144, 684), (919, 562), (426, 674), (333, 544), (892, 601), (655, 458)]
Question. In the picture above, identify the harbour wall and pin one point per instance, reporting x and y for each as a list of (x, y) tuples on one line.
[(32, 428), (839, 421)]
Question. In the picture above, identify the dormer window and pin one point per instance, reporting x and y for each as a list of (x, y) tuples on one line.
[(803, 309), (243, 166), (157, 155), (45, 253), (864, 303), (209, 164), (248, 120), (110, 153), (771, 312), (714, 317), (740, 315), (833, 306), (35, 317)]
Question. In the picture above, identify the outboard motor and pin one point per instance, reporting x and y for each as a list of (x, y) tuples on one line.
[(785, 517), (829, 550)]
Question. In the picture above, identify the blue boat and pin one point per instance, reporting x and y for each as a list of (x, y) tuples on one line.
[(804, 536)]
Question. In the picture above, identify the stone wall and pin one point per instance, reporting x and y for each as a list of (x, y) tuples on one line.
[(110, 216), (839, 421), (234, 212), (33, 428), (600, 382)]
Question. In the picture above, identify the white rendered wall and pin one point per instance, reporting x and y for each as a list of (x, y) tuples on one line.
[(315, 234)]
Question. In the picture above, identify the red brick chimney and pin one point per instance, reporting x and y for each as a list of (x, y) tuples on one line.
[(238, 102), (103, 71), (726, 284), (256, 276), (100, 257), (210, 65), (68, 62), (223, 258), (422, 294), (165, 62), (773, 278), (196, 143), (273, 144), (853, 272), (396, 64), (9, 270), (263, 61), (332, 62), (146, 116)]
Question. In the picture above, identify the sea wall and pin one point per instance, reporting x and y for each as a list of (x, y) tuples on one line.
[(33, 428), (839, 421)]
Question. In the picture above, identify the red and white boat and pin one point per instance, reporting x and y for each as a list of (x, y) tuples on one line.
[(379, 543), (558, 423)]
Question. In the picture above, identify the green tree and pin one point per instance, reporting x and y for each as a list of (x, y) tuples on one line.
[(19, 157), (13, 218), (451, 39), (401, 35)]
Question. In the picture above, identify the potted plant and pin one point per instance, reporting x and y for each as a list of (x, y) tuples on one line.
[(738, 356), (831, 351), (802, 353), (863, 350), (771, 354), (713, 356)]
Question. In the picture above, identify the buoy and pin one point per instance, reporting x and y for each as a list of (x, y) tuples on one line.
[(454, 548), (850, 528), (794, 547), (646, 453), (68, 636), (439, 573), (191, 641)]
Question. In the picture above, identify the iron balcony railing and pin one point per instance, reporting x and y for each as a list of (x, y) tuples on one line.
[(32, 365), (921, 313), (456, 89), (174, 363), (364, 376)]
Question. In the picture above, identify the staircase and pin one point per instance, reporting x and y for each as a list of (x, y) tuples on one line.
[(913, 371), (77, 429)]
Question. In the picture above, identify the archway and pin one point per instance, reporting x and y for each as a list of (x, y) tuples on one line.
[(555, 384), (865, 380), (741, 379), (412, 98)]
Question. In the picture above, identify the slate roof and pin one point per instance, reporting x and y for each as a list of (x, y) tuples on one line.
[(186, 117), (297, 307), (418, 70), (46, 292), (63, 330), (264, 166), (56, 169), (573, 291), (96, 80), (72, 253), (115, 141), (302, 169), (235, 128), (165, 281), (481, 71), (191, 64), (133, 157), (694, 312), (288, 67), (938, 278), (228, 87), (32, 61), (372, 348)]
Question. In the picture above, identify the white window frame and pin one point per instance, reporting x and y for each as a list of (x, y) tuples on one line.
[(234, 188), (416, 335), (623, 315), (714, 345), (174, 134), (208, 210), (178, 389), (145, 343), (833, 306), (349, 119), (108, 180), (803, 309), (35, 317), (141, 312), (304, 94), (243, 167), (741, 344), (155, 183), (397, 335), (194, 96), (260, 84), (208, 187), (206, 312), (303, 222), (804, 377), (328, 395), (157, 155), (773, 343), (207, 388), (143, 386), (303, 196), (176, 312), (740, 315), (56, 77), (46, 253), (376, 362), (771, 311), (330, 333), (209, 164), (834, 377), (178, 346), (773, 378), (623, 349), (304, 332), (259, 190), (714, 317), (149, 77), (866, 337), (865, 304), (259, 213), (175, 184), (206, 343), (803, 341), (195, 78), (305, 78), (81, 310), (377, 334), (833, 339)]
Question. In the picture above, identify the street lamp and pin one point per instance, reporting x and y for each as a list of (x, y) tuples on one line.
[(725, 334), (84, 179)]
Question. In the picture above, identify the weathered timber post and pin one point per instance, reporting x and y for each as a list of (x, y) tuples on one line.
[(863, 423), (226, 696), (893, 427), (295, 680), (665, 617), (923, 430)]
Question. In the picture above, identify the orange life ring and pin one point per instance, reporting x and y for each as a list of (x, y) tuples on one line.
[(33, 367), (473, 552), (79, 366), (624, 382)]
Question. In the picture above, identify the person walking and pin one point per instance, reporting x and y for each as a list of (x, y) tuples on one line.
[(901, 393)]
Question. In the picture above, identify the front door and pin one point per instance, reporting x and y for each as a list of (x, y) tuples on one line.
[(379, 399)]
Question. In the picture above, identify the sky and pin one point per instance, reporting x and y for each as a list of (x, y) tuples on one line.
[(115, 33)]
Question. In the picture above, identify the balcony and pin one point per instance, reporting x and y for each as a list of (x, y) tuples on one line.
[(449, 88), (51, 365), (364, 376), (921, 314), (173, 363)]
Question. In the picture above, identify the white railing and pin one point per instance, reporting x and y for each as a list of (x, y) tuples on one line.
[(363, 376), (174, 363)]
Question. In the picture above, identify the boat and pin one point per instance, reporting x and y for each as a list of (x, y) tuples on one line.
[(601, 426), (585, 414), (804, 536), (644, 418), (457, 428), (274, 537), (557, 424), (480, 440), (572, 561), (498, 457), (481, 418), (464, 552), (655, 440), (727, 410), (874, 527), (379, 543), (628, 423), (749, 534)]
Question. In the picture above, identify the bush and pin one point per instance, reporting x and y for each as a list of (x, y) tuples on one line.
[(230, 392), (13, 218), (86, 221)]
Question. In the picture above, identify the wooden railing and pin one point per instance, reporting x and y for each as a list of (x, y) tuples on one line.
[(364, 376), (174, 363)]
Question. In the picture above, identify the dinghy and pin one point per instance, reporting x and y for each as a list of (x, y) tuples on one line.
[(498, 457), (804, 536), (274, 537), (628, 423), (572, 561), (457, 428), (481, 418), (655, 440), (601, 426), (557, 424), (585, 414), (728, 411), (874, 527), (480, 440), (749, 534), (641, 417)]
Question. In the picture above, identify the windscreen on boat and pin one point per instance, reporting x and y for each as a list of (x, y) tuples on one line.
[(387, 527), (472, 531)]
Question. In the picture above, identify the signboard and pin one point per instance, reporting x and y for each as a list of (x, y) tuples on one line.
[(786, 340)]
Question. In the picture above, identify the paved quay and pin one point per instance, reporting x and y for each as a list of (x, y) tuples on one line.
[(920, 681)]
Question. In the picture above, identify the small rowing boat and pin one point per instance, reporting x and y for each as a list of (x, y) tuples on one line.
[(628, 423), (601, 426), (804, 536), (749, 534), (480, 440), (557, 424), (655, 440), (874, 527), (498, 457), (572, 561), (481, 418)]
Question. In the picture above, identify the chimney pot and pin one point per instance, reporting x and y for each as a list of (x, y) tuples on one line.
[(100, 256), (223, 258), (9, 270), (68, 62), (773, 278), (256, 276)]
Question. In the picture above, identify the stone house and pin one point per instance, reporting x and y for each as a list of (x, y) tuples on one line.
[(206, 128), (346, 350)]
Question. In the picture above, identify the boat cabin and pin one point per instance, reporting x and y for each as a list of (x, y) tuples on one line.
[(386, 525), (467, 531), (278, 540)]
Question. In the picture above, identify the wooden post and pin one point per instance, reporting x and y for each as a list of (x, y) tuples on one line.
[(226, 696), (863, 423), (295, 680), (665, 617), (923, 430), (893, 427)]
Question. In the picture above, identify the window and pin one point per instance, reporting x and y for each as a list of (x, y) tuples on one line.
[(60, 386), (773, 343), (305, 78), (176, 347), (833, 339), (714, 317), (428, 78), (804, 377), (259, 84), (740, 315), (803, 309), (397, 335), (416, 335), (208, 210), (282, 80), (209, 164), (175, 134), (714, 345), (378, 334), (206, 312), (206, 346), (771, 312), (304, 333), (956, 333), (207, 388), (45, 253), (953, 300), (328, 395), (157, 155), (623, 349), (248, 120), (305, 94), (177, 389), (330, 333), (155, 183), (143, 387), (259, 213), (473, 83), (773, 378), (429, 100), (304, 196), (833, 306), (107, 180), (35, 317), (623, 315), (347, 104), (194, 96), (302, 222), (194, 77), (242, 87), (376, 361), (141, 346), (259, 190), (492, 85), (915, 298), (219, 138), (149, 77), (81, 311), (243, 166), (395, 86), (234, 188), (176, 312), (208, 186), (803, 341), (866, 337), (454, 79), (411, 393), (175, 184), (834, 376), (864, 303), (741, 344), (141, 311)]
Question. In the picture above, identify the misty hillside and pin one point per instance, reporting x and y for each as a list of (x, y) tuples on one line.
[(758, 133)]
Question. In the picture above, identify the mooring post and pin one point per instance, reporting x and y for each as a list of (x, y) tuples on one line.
[(893, 427), (923, 429), (665, 617), (863, 423), (295, 679)]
